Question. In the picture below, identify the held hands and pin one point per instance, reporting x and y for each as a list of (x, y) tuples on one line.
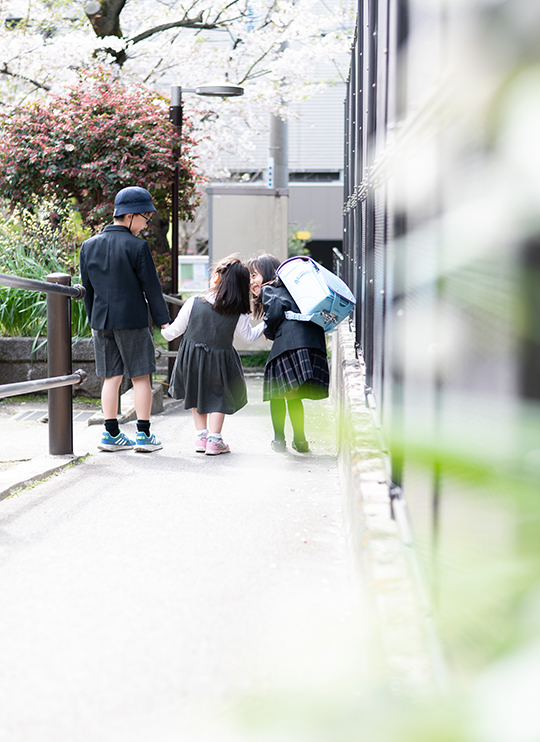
[(166, 325)]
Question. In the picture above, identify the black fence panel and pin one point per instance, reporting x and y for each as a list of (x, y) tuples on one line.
[(440, 247)]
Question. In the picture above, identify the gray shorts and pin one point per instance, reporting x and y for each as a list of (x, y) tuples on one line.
[(129, 352)]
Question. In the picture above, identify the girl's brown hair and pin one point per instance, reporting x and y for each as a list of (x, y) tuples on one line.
[(266, 265), (232, 288)]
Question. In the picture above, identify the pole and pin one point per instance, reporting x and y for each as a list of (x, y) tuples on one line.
[(279, 146), (59, 364), (279, 151), (175, 117)]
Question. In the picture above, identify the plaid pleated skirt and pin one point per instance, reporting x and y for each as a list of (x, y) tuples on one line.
[(305, 369)]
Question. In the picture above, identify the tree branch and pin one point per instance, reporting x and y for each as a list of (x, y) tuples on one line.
[(223, 10), (184, 23), (5, 71), (248, 75), (269, 12)]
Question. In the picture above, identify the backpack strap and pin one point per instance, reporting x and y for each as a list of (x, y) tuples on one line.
[(299, 317)]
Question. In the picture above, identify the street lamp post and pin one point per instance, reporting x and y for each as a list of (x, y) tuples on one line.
[(176, 117), (220, 90)]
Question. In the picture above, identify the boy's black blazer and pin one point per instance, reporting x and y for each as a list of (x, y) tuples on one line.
[(120, 277)]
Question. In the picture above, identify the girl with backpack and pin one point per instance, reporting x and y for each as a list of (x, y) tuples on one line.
[(208, 373), (297, 367)]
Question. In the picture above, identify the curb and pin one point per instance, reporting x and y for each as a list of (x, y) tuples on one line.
[(34, 470), (401, 648), (39, 468)]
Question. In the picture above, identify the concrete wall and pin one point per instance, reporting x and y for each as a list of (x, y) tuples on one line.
[(317, 208), (247, 220)]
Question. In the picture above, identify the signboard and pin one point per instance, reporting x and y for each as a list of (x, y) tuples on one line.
[(192, 274)]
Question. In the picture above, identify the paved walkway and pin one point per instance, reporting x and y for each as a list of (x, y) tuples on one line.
[(175, 596)]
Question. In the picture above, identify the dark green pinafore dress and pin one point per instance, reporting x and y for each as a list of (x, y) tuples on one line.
[(208, 372)]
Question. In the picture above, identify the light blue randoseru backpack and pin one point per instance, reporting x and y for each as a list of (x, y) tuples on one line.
[(321, 296)]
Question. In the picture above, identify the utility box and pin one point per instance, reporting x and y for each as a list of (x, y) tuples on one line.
[(248, 220)]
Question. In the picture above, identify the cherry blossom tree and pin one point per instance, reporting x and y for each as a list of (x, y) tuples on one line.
[(155, 43)]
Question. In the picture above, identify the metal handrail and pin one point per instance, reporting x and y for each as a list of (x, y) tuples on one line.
[(59, 292), (173, 344), (40, 385), (31, 284), (173, 300)]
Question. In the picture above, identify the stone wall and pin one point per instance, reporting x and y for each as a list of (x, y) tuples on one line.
[(18, 363)]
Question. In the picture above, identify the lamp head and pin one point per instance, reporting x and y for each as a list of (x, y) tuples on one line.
[(217, 90), (221, 90)]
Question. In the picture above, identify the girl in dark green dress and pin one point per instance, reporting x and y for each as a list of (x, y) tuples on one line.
[(208, 373)]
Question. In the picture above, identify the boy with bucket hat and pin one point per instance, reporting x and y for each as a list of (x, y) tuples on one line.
[(121, 282)]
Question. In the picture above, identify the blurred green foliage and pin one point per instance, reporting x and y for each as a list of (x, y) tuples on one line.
[(35, 242), (296, 243)]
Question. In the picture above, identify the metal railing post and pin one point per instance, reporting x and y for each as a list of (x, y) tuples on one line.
[(59, 364)]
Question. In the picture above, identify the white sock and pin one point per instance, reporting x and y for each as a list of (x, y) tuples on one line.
[(215, 436), (202, 433)]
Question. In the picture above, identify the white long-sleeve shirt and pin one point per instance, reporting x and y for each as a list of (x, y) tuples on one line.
[(243, 328)]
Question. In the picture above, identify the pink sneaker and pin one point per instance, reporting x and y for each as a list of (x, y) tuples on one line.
[(200, 444), (215, 447)]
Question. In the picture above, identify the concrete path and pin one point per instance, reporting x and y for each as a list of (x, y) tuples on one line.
[(175, 596)]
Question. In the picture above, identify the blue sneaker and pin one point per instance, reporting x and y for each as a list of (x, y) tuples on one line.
[(115, 443), (147, 443)]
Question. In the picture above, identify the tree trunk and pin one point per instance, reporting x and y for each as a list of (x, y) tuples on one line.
[(104, 15), (157, 235)]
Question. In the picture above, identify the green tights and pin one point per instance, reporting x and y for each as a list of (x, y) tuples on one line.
[(278, 411)]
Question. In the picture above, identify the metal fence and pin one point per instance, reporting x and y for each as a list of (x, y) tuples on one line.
[(372, 223), (439, 222), (60, 404)]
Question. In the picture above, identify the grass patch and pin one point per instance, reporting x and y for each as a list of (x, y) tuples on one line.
[(256, 359), (159, 340)]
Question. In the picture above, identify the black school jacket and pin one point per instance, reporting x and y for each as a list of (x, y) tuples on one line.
[(119, 275), (287, 334)]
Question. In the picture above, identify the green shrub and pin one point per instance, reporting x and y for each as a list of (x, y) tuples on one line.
[(86, 144), (35, 242), (296, 242)]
